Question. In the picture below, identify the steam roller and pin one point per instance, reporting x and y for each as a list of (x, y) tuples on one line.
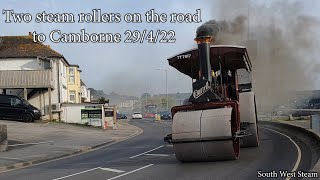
[(220, 116)]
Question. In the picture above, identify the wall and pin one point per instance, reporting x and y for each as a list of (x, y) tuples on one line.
[(85, 93), (74, 86), (21, 64), (71, 113), (3, 138), (63, 81)]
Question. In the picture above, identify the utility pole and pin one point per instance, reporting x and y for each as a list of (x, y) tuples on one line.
[(167, 89), (167, 99)]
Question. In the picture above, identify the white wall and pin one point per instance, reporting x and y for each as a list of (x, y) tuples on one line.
[(85, 93), (88, 95), (63, 80), (71, 113), (21, 64)]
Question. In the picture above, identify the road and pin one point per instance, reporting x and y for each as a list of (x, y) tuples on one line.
[(147, 156)]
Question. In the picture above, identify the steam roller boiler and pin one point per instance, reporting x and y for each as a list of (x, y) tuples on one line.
[(220, 116)]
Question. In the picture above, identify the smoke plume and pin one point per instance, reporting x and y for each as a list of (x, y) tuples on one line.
[(282, 44)]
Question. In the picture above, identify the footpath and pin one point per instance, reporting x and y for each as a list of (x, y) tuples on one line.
[(32, 143), (305, 124)]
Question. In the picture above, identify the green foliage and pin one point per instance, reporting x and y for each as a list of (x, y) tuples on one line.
[(102, 100)]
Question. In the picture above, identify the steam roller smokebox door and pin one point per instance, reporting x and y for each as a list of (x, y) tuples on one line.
[(201, 91)]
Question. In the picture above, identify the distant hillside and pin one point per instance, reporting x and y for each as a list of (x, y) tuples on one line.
[(177, 96), (96, 94), (113, 97), (116, 98)]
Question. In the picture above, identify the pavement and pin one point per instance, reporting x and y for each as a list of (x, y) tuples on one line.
[(305, 124), (147, 156), (32, 143)]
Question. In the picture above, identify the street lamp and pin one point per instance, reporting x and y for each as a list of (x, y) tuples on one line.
[(161, 69)]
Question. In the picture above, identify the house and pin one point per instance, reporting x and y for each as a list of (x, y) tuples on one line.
[(74, 85), (85, 92), (35, 72)]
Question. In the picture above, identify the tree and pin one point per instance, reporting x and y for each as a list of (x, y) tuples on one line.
[(102, 100), (145, 98), (171, 102)]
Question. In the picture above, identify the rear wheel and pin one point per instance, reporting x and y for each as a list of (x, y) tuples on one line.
[(27, 118), (253, 139)]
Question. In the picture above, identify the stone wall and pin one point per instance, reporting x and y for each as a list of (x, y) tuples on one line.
[(3, 138)]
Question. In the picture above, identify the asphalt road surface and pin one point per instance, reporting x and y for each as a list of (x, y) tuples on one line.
[(147, 156)]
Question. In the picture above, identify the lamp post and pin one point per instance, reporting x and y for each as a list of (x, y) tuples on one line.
[(166, 71)]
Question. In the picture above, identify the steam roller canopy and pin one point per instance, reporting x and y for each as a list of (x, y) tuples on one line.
[(204, 135)]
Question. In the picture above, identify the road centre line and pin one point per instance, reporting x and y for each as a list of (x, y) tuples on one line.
[(112, 170), (130, 172), (164, 155), (77, 173), (298, 150), (146, 152)]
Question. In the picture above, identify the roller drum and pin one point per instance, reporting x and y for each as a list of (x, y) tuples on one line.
[(204, 135)]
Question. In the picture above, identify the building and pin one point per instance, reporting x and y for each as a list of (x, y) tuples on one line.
[(127, 106), (35, 72), (85, 93), (74, 84)]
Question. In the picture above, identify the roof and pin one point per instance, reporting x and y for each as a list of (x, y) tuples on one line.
[(74, 65), (231, 57), (24, 47), (82, 83)]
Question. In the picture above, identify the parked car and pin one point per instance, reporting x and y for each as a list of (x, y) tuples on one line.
[(165, 115), (137, 115), (121, 116), (14, 107), (314, 104)]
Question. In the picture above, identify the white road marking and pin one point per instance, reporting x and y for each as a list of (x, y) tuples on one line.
[(130, 172), (157, 155), (169, 145), (112, 170), (146, 152), (77, 173), (298, 149), (24, 144)]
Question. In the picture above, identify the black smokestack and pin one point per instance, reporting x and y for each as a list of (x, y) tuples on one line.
[(204, 54), (205, 35)]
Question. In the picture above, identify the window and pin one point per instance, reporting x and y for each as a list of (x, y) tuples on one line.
[(72, 96), (71, 71), (15, 102), (71, 76), (71, 79), (46, 65), (5, 100), (108, 113)]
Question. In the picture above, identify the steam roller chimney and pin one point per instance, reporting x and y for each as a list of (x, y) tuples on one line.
[(204, 55)]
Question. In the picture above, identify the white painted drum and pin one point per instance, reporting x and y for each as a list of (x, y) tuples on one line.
[(203, 135)]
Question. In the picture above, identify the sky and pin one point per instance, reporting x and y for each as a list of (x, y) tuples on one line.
[(124, 68)]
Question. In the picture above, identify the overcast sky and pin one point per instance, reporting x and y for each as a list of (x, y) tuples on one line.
[(123, 68)]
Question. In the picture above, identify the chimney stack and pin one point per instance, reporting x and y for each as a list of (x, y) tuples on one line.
[(204, 55)]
